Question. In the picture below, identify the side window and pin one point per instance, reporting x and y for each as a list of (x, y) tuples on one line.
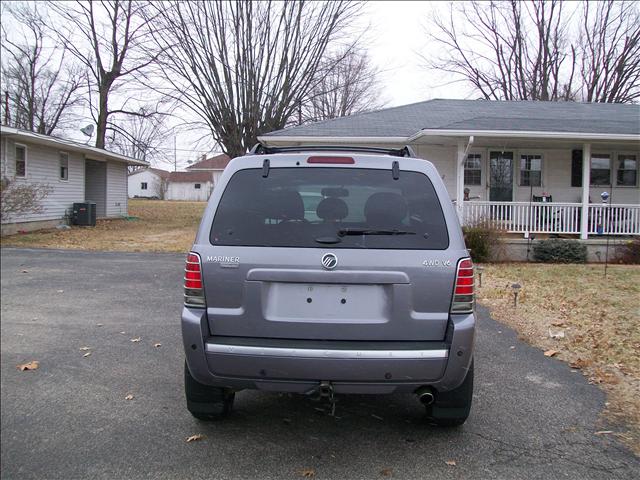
[(197, 186), (627, 170), (21, 161), (64, 166), (530, 170), (143, 185), (600, 169), (473, 169)]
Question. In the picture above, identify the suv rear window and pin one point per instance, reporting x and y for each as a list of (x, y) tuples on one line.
[(336, 207)]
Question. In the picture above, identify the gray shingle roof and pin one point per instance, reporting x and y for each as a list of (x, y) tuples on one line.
[(404, 121)]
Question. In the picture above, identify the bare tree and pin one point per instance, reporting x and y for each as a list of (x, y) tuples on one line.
[(610, 51), (242, 67), (43, 88), (508, 50), (141, 137), (347, 83), (115, 33)]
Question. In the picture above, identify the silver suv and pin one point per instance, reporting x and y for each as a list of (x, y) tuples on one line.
[(369, 292)]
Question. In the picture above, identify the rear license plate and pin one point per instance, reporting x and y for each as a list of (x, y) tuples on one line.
[(331, 303)]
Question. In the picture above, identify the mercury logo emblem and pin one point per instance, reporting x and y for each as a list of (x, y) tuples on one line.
[(329, 261)]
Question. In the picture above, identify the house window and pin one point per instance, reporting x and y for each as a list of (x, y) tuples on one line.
[(530, 170), (143, 185), (627, 170), (21, 161), (197, 186), (64, 166), (600, 169), (473, 169)]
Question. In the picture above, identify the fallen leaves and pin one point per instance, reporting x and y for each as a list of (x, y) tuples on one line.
[(136, 340), (88, 354), (156, 345), (84, 349), (130, 397), (557, 333), (604, 432), (579, 364), (550, 353), (308, 473), (195, 438), (32, 365), (451, 463)]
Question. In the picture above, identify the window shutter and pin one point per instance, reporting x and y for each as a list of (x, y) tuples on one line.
[(576, 168)]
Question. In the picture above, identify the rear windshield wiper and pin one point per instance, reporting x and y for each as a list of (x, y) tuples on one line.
[(367, 231)]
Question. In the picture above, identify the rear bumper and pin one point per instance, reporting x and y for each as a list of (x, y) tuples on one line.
[(372, 367)]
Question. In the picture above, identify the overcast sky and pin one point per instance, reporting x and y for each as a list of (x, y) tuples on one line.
[(397, 39)]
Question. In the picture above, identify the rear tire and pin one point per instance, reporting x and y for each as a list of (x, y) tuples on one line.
[(451, 409), (205, 402)]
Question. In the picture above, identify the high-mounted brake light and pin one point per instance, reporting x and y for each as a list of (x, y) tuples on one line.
[(463, 297), (331, 160), (193, 289)]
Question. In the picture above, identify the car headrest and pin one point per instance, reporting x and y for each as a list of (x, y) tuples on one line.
[(385, 209), (332, 209), (284, 205)]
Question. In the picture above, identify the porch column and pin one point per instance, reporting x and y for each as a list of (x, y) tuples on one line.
[(586, 180), (460, 180)]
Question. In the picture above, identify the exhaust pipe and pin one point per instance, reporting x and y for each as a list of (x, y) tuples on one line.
[(425, 395)]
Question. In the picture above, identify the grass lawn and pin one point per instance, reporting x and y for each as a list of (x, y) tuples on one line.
[(159, 226), (592, 322)]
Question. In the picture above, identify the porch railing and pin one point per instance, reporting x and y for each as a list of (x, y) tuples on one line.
[(553, 217)]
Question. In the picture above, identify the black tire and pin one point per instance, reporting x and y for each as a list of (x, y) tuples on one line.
[(451, 409), (205, 402)]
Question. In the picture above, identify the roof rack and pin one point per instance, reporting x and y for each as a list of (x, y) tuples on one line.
[(260, 149)]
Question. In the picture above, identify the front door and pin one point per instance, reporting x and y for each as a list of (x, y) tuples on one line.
[(501, 176)]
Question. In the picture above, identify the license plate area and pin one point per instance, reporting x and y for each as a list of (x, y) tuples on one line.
[(326, 303)]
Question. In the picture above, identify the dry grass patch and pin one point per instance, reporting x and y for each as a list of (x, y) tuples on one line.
[(592, 322), (154, 226)]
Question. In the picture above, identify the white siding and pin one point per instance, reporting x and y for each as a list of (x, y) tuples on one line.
[(43, 166), (116, 189), (152, 180), (444, 159), (187, 191)]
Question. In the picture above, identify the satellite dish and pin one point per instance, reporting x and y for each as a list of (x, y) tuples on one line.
[(88, 130)]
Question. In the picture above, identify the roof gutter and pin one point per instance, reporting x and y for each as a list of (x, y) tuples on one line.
[(521, 134), (69, 145)]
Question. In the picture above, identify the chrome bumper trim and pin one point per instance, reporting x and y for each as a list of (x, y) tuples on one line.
[(322, 353)]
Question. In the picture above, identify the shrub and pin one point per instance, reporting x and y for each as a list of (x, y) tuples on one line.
[(628, 253), (17, 199), (560, 251), (483, 242)]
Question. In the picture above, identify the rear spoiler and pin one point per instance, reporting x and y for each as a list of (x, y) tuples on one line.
[(260, 149)]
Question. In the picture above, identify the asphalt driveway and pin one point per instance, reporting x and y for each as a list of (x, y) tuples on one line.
[(532, 416)]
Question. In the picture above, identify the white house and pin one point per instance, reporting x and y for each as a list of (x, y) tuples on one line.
[(148, 183), (190, 186), (215, 165), (74, 173), (528, 167)]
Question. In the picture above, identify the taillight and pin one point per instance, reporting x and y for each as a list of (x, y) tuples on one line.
[(331, 160), (463, 298), (193, 291)]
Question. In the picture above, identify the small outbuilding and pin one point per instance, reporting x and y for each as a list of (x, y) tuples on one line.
[(71, 171)]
